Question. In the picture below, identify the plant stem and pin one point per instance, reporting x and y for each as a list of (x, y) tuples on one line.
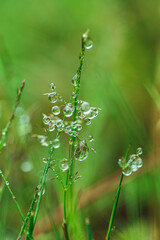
[(28, 216), (5, 131), (89, 229), (65, 229), (42, 182), (81, 60), (13, 196), (114, 208)]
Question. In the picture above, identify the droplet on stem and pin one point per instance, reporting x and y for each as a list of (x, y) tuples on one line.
[(63, 164), (56, 110)]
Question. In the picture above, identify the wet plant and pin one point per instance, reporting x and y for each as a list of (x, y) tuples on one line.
[(67, 118), (128, 164)]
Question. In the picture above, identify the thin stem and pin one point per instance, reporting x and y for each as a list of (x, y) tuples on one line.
[(81, 60), (12, 195), (28, 216), (114, 209), (89, 229), (5, 131), (43, 180), (65, 229)]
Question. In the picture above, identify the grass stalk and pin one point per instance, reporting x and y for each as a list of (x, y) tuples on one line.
[(28, 216), (6, 129), (13, 196), (81, 60), (65, 229), (114, 208), (89, 229)]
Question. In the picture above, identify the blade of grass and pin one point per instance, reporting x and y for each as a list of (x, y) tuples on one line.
[(6, 129), (114, 208)]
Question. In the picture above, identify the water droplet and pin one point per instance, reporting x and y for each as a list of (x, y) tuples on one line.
[(55, 110), (59, 124), (90, 139), (93, 113), (74, 80), (81, 151), (43, 140), (51, 126), (73, 94), (4, 132), (132, 158), (134, 167), (52, 97), (85, 108), (87, 41), (46, 119), (4, 144), (26, 166), (122, 162), (0, 171), (139, 162), (127, 171), (52, 86), (38, 190), (139, 151), (56, 143), (68, 110), (63, 164), (7, 183)]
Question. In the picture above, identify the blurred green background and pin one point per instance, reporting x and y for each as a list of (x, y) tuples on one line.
[(40, 41)]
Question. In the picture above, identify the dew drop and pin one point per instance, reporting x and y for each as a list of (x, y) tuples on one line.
[(90, 139), (51, 126), (139, 151), (43, 140), (4, 144), (85, 108), (63, 164), (81, 151), (74, 80), (87, 41), (134, 167), (59, 124), (122, 162), (52, 86), (68, 110), (0, 171), (52, 97), (46, 119), (139, 162), (55, 110), (38, 190), (4, 132), (56, 143), (93, 113), (127, 171), (7, 183)]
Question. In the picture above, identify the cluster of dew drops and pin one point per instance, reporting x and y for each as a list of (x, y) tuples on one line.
[(132, 164), (60, 120)]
